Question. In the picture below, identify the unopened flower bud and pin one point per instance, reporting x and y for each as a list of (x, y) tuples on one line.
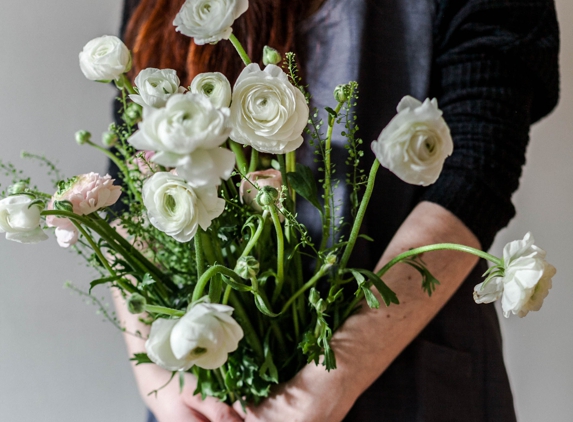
[(330, 259), (136, 303), (271, 56), (341, 93), (18, 188), (267, 196), (247, 267), (83, 136), (109, 139)]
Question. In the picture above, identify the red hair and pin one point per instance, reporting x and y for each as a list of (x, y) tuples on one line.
[(152, 38)]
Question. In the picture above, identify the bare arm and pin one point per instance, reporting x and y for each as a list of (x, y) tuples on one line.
[(378, 336)]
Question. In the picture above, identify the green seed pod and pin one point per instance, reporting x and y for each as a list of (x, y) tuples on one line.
[(83, 137), (136, 303), (247, 267), (341, 93), (267, 196), (271, 56), (109, 139)]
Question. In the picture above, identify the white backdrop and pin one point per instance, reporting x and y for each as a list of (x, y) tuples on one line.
[(60, 362)]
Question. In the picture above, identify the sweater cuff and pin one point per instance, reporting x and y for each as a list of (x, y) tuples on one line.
[(479, 208)]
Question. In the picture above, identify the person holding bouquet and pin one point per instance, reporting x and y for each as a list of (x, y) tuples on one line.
[(492, 66)]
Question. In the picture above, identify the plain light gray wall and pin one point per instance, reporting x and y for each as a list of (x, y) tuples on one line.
[(60, 362)]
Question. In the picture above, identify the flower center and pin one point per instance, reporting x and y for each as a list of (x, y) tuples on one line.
[(208, 88), (198, 351), (170, 204)]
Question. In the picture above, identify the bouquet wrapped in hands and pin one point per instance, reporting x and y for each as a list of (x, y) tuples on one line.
[(206, 246)]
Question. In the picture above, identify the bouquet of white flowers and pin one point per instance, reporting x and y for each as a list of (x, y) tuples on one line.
[(207, 246)]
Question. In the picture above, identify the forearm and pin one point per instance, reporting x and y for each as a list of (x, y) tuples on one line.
[(379, 336), (370, 340)]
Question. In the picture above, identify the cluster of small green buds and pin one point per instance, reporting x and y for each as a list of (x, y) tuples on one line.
[(267, 196), (341, 93), (109, 139), (136, 303), (18, 188), (247, 267), (83, 137), (132, 113), (271, 56)]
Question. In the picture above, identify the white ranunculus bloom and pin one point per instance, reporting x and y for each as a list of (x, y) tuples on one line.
[(416, 142), (105, 59), (213, 85), (526, 280), (527, 277), (209, 21), (205, 167), (267, 112), (187, 123), (20, 221), (204, 336), (177, 208), (155, 86), (186, 135)]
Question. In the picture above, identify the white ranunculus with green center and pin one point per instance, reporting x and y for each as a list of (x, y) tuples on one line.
[(20, 220), (155, 86), (177, 208), (267, 111), (209, 21), (213, 85), (416, 142), (186, 134), (105, 59), (204, 336), (526, 279)]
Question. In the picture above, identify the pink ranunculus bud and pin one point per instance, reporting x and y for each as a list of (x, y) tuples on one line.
[(90, 192), (144, 164), (248, 190), (86, 194)]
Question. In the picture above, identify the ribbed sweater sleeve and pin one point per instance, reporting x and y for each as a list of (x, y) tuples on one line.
[(495, 72)]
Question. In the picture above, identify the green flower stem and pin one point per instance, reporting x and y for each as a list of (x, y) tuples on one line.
[(254, 163), (208, 274), (291, 162), (310, 283), (360, 215), (125, 82), (238, 46), (228, 291), (131, 253), (250, 333), (222, 377), (438, 247), (163, 310), (327, 224), (254, 239), (122, 283), (239, 156), (121, 165), (199, 260), (280, 251), (352, 305)]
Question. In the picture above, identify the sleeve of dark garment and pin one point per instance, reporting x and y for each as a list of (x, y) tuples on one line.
[(128, 9), (495, 73)]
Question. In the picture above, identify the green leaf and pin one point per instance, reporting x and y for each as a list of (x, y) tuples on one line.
[(302, 181), (368, 238), (181, 381), (140, 358), (102, 281), (388, 295), (331, 112)]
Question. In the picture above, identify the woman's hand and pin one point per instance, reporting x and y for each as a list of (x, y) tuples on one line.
[(169, 404), (371, 339)]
